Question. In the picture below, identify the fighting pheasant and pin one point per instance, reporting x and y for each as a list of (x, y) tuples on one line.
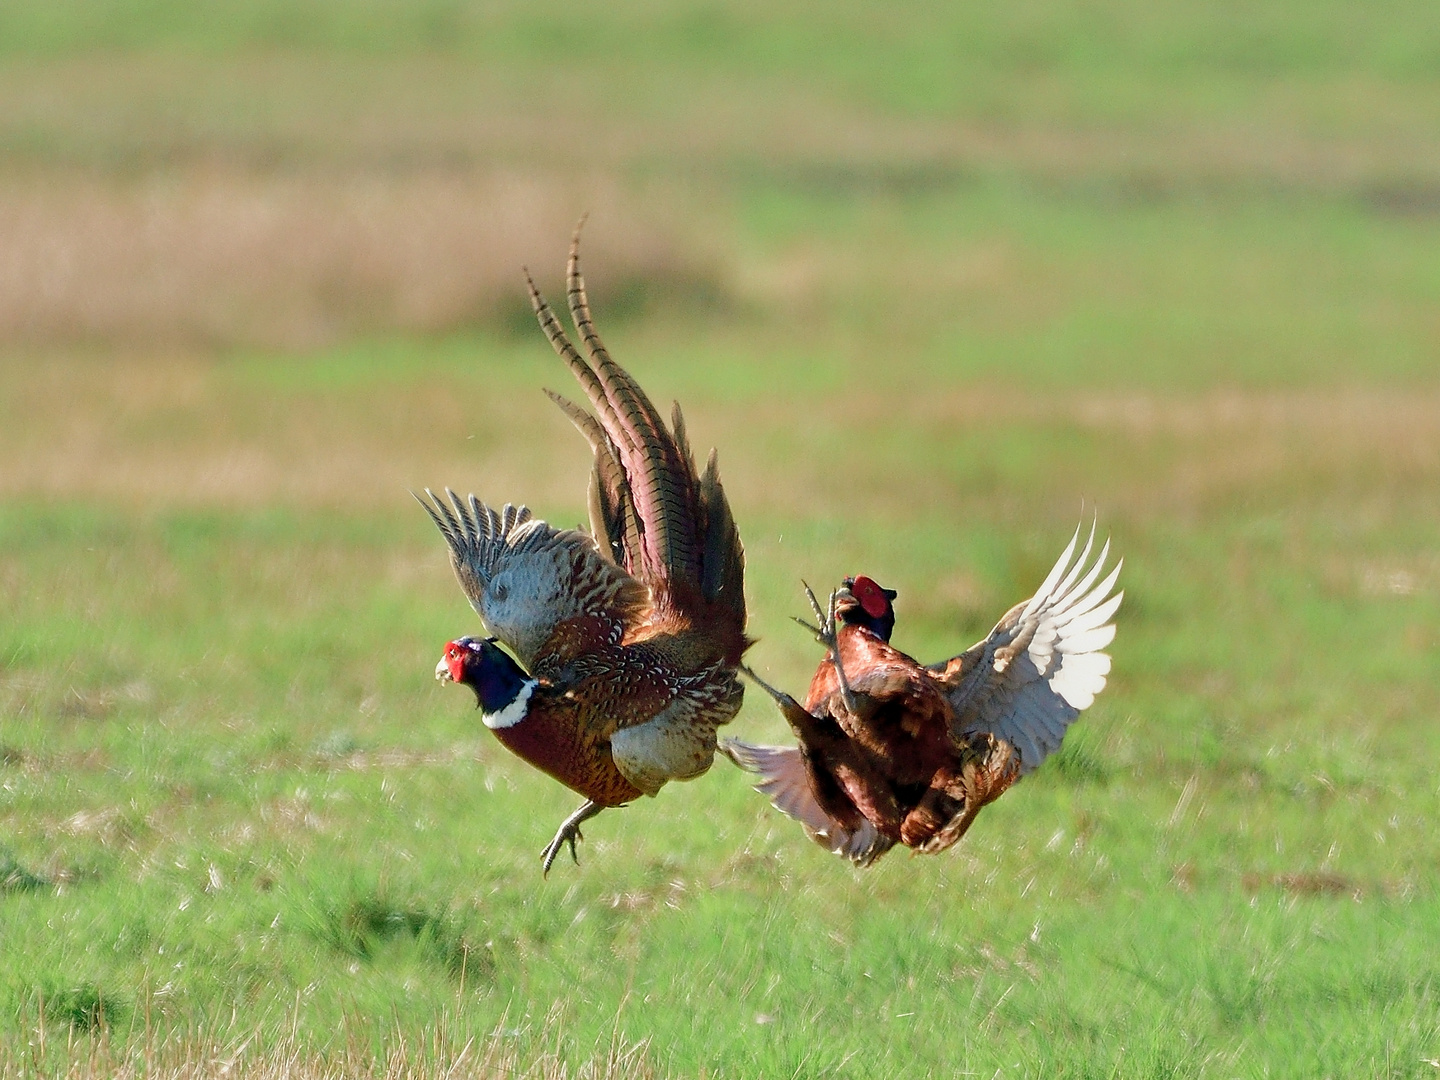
[(891, 751), (624, 643)]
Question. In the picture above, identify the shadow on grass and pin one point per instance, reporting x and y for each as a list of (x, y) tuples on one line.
[(81, 1007), (15, 878), (361, 926)]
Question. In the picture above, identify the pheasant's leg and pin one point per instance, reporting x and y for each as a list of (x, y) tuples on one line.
[(800, 721), (827, 633), (781, 698), (568, 833)]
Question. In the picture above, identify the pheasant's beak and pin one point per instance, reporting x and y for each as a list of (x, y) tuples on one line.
[(442, 672)]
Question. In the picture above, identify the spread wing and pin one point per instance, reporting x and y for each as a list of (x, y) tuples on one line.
[(784, 780), (651, 511), (540, 590), (1043, 663)]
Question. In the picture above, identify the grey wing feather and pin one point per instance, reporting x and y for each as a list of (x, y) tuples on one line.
[(524, 577), (1043, 663), (785, 781)]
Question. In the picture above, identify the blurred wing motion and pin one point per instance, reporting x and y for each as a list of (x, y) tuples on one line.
[(786, 781), (1042, 664)]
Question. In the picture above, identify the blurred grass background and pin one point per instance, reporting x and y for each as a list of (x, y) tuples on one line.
[(937, 281)]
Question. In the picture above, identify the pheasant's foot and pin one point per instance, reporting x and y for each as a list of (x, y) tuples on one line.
[(568, 833), (820, 613), (821, 635), (828, 634)]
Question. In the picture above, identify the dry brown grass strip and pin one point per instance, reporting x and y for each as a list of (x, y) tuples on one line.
[(222, 254), (178, 429), (70, 1053), (197, 1059)]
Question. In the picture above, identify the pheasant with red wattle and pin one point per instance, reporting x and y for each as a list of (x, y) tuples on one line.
[(891, 751), (621, 646)]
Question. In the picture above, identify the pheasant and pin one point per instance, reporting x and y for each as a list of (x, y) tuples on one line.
[(891, 751), (624, 644)]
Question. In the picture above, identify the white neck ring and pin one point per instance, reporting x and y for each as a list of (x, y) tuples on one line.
[(513, 713)]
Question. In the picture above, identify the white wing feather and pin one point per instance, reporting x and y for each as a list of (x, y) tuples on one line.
[(1043, 663)]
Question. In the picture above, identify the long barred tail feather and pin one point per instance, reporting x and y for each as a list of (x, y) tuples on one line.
[(650, 510), (611, 507), (661, 482)]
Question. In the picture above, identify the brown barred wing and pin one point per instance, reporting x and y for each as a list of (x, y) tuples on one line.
[(658, 720)]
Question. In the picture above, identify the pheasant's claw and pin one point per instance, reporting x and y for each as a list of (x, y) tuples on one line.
[(827, 634), (824, 628), (819, 634), (819, 616), (815, 604), (568, 833)]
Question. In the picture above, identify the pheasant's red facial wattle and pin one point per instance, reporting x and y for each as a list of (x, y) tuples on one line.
[(872, 598), (455, 660)]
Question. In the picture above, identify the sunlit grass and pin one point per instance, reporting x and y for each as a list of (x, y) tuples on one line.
[(232, 785), (939, 283)]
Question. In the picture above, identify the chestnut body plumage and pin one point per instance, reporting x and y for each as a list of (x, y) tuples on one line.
[(626, 641), (892, 751)]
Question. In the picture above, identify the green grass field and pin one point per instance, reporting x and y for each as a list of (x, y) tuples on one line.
[(939, 285)]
